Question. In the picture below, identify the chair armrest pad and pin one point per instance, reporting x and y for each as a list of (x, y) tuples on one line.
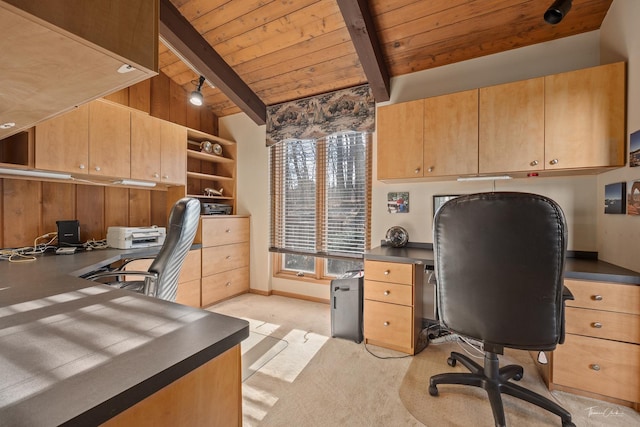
[(121, 273), (566, 294)]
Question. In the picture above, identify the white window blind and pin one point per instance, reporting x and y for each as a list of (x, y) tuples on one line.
[(320, 195)]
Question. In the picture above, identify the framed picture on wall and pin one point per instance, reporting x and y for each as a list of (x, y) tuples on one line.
[(633, 198), (439, 200), (398, 202), (634, 149), (614, 195)]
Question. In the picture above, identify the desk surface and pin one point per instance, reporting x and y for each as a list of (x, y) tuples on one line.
[(575, 268), (75, 352)]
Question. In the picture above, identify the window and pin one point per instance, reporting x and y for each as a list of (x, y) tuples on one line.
[(320, 195)]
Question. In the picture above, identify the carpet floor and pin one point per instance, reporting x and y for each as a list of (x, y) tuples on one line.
[(296, 375)]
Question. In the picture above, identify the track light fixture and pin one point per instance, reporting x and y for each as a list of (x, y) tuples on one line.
[(557, 11), (196, 96)]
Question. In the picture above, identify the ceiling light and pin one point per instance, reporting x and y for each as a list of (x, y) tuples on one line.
[(557, 11), (135, 182), (196, 96), (34, 173), (7, 125), (126, 68), (483, 178)]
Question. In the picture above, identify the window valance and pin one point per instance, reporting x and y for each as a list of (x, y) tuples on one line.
[(351, 109)]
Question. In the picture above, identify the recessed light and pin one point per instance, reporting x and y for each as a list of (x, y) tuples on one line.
[(126, 68), (7, 125)]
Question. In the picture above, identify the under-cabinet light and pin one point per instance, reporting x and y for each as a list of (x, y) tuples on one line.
[(134, 182), (34, 173), (483, 178)]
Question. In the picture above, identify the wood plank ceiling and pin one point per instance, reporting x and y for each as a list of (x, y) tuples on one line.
[(291, 49)]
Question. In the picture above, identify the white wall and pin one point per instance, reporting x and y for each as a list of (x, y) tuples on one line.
[(619, 235), (580, 197)]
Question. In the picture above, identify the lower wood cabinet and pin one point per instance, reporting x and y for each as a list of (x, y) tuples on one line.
[(601, 353), (225, 257), (189, 280), (393, 304)]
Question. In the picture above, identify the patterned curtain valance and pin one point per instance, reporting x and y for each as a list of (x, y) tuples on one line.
[(352, 109)]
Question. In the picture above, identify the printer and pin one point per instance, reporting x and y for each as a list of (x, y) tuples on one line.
[(135, 237)]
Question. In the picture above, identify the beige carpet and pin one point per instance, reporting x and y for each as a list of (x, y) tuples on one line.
[(468, 406)]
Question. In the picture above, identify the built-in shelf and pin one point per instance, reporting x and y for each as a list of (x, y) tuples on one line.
[(208, 157), (208, 177)]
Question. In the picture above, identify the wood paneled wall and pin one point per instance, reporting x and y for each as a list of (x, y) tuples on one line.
[(29, 209)]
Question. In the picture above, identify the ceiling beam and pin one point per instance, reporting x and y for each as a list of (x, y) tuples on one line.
[(359, 21), (178, 32)]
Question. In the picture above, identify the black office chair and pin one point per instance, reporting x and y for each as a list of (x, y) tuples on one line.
[(499, 262), (161, 279)]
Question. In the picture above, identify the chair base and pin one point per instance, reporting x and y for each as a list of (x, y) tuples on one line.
[(495, 380)]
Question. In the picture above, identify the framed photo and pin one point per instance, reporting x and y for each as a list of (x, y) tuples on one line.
[(633, 198), (398, 202), (614, 195), (439, 200), (634, 149)]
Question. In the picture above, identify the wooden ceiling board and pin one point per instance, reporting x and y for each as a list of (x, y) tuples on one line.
[(292, 49)]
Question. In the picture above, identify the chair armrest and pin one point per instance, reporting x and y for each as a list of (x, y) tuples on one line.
[(566, 295), (150, 279)]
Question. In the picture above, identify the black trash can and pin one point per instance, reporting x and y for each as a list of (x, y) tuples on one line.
[(346, 306)]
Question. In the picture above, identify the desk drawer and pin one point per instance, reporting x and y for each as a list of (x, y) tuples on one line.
[(223, 258), (220, 230), (393, 272), (224, 285), (603, 324), (599, 366), (604, 296), (388, 323), (388, 292)]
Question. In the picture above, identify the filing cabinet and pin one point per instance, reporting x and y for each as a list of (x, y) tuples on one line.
[(601, 353), (225, 257), (393, 304)]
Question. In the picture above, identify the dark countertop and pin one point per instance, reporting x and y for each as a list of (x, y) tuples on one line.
[(575, 268), (74, 352)]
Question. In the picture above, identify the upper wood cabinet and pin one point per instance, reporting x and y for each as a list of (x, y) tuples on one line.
[(585, 118), (72, 50), (109, 140), (400, 130), (451, 134), (512, 127), (157, 150)]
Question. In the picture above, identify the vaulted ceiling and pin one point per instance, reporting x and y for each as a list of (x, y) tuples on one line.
[(264, 52)]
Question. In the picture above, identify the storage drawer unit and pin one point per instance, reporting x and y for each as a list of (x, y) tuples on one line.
[(225, 257), (601, 353), (393, 304)]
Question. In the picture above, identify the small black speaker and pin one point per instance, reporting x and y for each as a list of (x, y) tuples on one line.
[(68, 233)]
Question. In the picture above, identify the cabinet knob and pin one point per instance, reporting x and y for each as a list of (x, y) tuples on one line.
[(228, 230), (156, 175), (596, 325), (596, 297), (553, 162), (97, 168), (227, 257), (386, 272), (416, 170), (534, 163), (386, 293), (165, 176), (82, 166), (386, 323), (595, 367), (430, 169), (228, 284)]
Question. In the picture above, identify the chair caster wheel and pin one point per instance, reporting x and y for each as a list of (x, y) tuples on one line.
[(517, 377), (451, 361), (568, 424), (433, 391)]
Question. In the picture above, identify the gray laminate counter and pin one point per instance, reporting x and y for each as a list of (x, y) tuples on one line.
[(575, 268), (74, 352)]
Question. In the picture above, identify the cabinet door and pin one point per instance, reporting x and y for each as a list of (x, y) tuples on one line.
[(451, 134), (62, 142), (585, 118), (173, 140), (400, 128), (145, 147), (512, 127), (109, 140)]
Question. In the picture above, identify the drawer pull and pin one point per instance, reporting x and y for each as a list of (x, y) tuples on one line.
[(386, 272), (228, 284), (386, 293), (228, 230), (595, 367), (596, 325), (227, 257), (386, 323), (596, 297)]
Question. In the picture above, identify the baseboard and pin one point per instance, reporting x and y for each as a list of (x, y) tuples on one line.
[(259, 292)]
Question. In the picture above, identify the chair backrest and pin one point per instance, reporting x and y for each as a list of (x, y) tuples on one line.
[(181, 230), (499, 262)]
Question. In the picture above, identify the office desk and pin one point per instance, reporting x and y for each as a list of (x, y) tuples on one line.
[(74, 352)]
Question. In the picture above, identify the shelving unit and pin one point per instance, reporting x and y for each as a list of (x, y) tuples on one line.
[(217, 172)]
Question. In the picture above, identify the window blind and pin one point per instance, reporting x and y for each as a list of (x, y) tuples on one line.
[(320, 195)]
